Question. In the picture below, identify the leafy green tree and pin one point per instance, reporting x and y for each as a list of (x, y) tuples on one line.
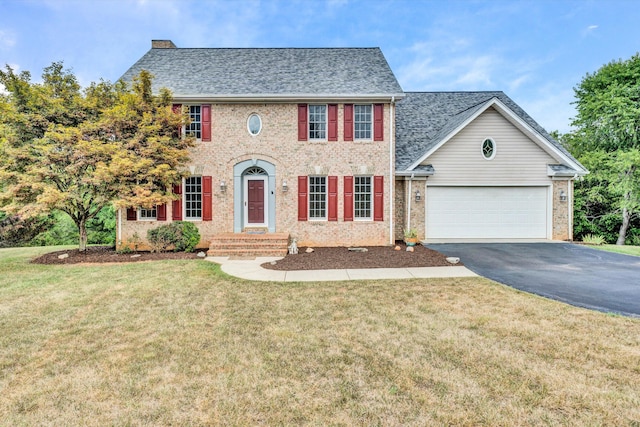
[(78, 152), (608, 125)]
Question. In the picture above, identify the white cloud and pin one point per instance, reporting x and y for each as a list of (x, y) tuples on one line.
[(591, 27), (551, 107), (7, 39)]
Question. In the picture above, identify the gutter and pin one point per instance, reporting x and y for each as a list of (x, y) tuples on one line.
[(286, 97)]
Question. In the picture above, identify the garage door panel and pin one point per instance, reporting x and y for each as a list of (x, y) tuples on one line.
[(486, 212)]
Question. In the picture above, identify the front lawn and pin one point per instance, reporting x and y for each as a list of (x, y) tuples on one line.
[(627, 250), (180, 343)]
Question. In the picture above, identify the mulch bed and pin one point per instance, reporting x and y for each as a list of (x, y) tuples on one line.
[(319, 259), (103, 254), (375, 257)]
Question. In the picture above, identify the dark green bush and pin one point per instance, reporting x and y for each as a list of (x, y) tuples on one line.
[(182, 236)]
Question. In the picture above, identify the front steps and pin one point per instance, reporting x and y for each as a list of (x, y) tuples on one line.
[(249, 244)]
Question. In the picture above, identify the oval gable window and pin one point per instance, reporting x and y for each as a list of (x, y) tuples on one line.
[(254, 124), (488, 149)]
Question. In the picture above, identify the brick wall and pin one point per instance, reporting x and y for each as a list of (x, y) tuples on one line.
[(562, 211), (278, 144)]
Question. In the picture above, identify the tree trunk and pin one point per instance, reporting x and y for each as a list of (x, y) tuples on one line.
[(82, 228), (624, 227)]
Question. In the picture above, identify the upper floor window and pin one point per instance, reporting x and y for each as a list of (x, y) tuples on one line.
[(150, 214), (194, 128), (362, 197), (317, 121), (362, 121), (317, 197), (193, 198)]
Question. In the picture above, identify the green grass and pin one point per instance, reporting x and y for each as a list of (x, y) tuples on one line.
[(180, 343), (627, 250)]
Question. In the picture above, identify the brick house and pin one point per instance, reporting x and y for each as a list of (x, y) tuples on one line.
[(319, 145)]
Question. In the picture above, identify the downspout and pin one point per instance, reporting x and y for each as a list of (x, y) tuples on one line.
[(119, 239), (392, 133), (570, 206), (409, 204)]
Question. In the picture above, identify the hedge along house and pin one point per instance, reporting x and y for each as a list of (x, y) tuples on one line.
[(290, 143), (474, 165)]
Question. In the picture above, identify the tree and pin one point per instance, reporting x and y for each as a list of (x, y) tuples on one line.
[(79, 151), (608, 121)]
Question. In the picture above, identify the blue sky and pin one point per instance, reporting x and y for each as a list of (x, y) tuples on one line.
[(535, 51)]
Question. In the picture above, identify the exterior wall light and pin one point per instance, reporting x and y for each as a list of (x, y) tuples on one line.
[(418, 196), (285, 187), (563, 196), (223, 186)]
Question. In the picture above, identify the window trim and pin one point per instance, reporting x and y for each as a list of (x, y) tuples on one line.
[(355, 122), (370, 201), (186, 128), (185, 202), (326, 122), (259, 124), (148, 218), (325, 195), (493, 148)]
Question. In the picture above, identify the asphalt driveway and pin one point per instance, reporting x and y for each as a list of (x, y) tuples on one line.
[(574, 274)]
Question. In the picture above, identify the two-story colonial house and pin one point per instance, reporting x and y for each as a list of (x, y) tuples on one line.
[(321, 145)]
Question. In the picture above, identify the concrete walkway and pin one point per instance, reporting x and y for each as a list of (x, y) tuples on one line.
[(250, 269)]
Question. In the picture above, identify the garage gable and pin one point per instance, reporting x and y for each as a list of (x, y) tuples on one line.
[(516, 159)]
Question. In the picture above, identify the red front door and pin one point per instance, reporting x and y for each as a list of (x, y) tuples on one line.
[(255, 201)]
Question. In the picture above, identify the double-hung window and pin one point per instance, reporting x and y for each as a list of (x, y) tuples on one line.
[(148, 214), (363, 119), (194, 128), (362, 197), (318, 197), (193, 198), (317, 122)]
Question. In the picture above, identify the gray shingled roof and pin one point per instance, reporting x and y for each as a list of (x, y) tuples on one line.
[(225, 72), (423, 119)]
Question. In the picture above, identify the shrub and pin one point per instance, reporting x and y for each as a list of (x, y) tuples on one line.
[(190, 236), (183, 236), (593, 239)]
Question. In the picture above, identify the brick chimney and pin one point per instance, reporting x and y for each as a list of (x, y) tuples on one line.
[(162, 44)]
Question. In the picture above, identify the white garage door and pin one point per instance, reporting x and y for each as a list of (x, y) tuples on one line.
[(487, 212)]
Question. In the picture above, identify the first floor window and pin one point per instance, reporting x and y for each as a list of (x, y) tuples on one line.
[(362, 197), (317, 121), (317, 197), (362, 121), (194, 128), (193, 197), (148, 213)]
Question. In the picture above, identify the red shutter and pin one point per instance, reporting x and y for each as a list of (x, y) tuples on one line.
[(348, 122), (378, 122), (302, 122), (176, 205), (207, 200), (177, 109), (333, 199), (378, 198), (206, 122), (131, 214), (348, 198), (333, 122), (161, 212), (302, 198)]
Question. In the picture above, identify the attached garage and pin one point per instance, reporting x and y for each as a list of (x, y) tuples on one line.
[(487, 212)]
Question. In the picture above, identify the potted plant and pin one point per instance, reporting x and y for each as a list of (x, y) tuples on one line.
[(411, 236)]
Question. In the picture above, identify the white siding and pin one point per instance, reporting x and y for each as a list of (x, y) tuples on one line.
[(518, 160)]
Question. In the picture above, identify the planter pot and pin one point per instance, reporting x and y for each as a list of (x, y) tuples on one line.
[(411, 241)]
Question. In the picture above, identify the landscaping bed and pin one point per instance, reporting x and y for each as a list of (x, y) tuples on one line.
[(374, 257)]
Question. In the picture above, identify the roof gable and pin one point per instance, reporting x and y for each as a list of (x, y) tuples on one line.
[(427, 120), (269, 73)]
